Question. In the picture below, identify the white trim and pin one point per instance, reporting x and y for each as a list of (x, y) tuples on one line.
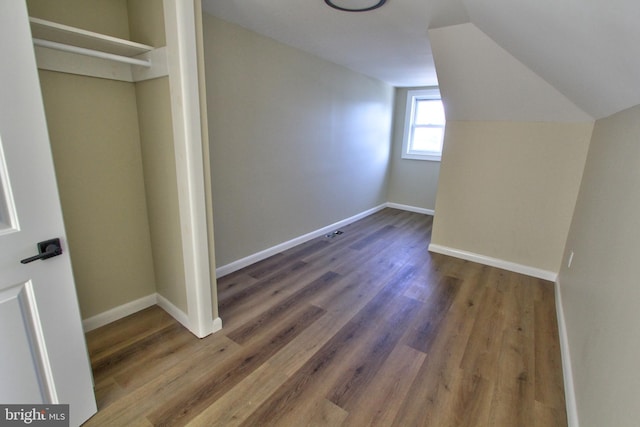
[(264, 254), (74, 37), (180, 30), (174, 311), (567, 369), (432, 93), (495, 262), (72, 50), (132, 307), (160, 66), (116, 313), (73, 63), (217, 324), (411, 208), (90, 52)]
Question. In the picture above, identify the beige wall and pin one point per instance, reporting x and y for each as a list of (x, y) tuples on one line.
[(158, 156), (101, 16), (507, 190), (297, 143), (600, 291), (411, 182), (113, 146), (513, 157), (93, 129), (93, 126), (146, 22)]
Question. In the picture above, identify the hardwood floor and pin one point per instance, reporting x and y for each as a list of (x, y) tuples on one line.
[(363, 328)]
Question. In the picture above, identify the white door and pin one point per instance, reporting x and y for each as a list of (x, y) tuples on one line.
[(43, 355)]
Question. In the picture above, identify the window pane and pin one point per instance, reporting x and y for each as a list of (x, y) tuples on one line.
[(427, 139), (429, 112)]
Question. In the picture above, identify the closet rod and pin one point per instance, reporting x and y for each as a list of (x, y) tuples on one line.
[(91, 52)]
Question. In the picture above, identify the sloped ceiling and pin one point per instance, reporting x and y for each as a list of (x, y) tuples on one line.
[(479, 80), (589, 50)]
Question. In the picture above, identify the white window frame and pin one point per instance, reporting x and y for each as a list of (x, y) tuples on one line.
[(412, 97)]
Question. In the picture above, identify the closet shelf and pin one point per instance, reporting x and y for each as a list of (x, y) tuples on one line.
[(61, 34)]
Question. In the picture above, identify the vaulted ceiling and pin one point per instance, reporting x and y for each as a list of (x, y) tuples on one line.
[(588, 50)]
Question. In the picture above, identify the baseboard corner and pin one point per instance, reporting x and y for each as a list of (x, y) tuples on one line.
[(174, 311), (117, 313), (494, 262), (409, 208)]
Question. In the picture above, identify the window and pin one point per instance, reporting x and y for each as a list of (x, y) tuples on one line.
[(424, 125)]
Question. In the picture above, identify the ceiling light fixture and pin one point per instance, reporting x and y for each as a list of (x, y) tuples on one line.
[(355, 5)]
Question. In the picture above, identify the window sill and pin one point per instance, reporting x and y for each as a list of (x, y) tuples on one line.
[(427, 157)]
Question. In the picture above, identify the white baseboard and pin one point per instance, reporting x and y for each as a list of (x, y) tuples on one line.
[(183, 318), (124, 310), (410, 208), (119, 312), (567, 370), (129, 308), (174, 311), (264, 254), (495, 262), (259, 256)]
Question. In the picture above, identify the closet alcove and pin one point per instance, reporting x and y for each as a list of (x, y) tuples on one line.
[(126, 136)]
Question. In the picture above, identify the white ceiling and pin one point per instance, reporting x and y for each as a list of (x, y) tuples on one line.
[(589, 50), (390, 43), (479, 80)]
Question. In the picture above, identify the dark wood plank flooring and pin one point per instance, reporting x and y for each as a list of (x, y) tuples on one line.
[(359, 329)]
